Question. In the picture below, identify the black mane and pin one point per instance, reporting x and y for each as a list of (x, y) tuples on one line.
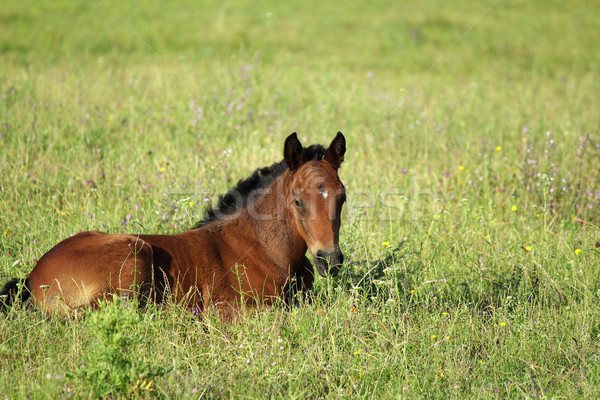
[(260, 179)]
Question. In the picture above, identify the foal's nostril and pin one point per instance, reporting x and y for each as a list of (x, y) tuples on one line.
[(330, 261), (321, 254)]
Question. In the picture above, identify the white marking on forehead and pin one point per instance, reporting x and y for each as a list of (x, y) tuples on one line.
[(324, 193)]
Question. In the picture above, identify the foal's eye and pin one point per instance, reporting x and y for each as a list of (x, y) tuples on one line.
[(298, 203)]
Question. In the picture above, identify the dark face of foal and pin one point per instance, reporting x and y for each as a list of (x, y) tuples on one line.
[(316, 199)]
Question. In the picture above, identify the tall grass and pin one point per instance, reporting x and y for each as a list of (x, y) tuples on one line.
[(471, 230)]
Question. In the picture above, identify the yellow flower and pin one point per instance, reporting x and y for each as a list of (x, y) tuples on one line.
[(577, 251), (192, 204), (527, 248), (514, 208), (502, 323), (386, 243), (357, 352), (444, 313), (145, 385), (498, 148), (162, 169), (413, 291), (462, 167), (5, 233), (433, 336)]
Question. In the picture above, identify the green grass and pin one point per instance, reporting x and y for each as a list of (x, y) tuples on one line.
[(471, 231)]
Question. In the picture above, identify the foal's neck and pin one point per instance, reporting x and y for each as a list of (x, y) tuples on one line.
[(274, 225)]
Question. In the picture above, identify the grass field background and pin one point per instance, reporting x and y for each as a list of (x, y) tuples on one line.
[(471, 231)]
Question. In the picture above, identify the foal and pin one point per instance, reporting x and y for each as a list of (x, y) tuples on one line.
[(236, 260)]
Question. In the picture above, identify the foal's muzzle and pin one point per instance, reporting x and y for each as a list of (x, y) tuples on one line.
[(328, 262)]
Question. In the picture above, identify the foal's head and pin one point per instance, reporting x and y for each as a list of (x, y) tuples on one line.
[(315, 197)]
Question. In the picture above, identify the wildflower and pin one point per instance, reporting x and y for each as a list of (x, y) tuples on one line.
[(191, 203), (527, 248), (5, 233), (444, 313), (145, 385), (462, 167), (413, 291), (514, 208), (353, 308), (357, 352), (162, 169), (498, 148), (434, 336), (502, 323), (577, 251), (385, 244)]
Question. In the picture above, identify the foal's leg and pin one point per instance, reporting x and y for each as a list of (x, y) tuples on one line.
[(301, 283), (88, 267)]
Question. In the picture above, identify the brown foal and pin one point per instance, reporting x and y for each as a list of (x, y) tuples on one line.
[(243, 258)]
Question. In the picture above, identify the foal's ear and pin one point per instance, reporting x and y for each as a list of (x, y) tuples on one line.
[(335, 152), (293, 154)]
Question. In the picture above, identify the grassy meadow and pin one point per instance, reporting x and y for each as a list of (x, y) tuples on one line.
[(471, 232)]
